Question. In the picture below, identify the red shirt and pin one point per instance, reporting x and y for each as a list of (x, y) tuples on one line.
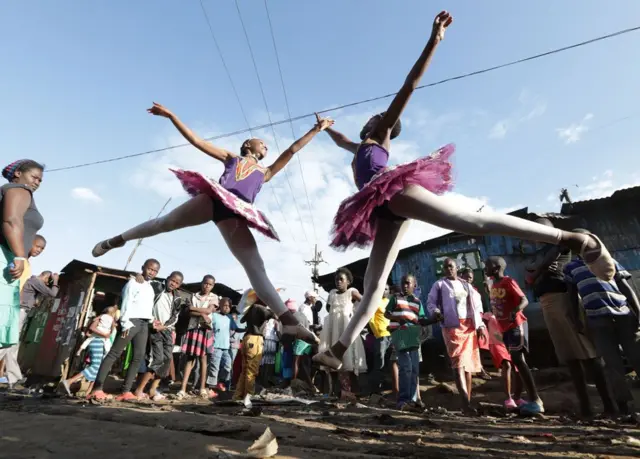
[(506, 295)]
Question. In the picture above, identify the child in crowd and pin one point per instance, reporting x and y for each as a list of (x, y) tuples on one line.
[(507, 303), (199, 337), (271, 340), (106, 325), (236, 340), (302, 351), (406, 314), (502, 361), (252, 344), (612, 311), (219, 375), (98, 342), (340, 305), (166, 310)]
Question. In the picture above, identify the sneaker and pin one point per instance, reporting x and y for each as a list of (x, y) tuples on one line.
[(532, 408), (221, 387), (520, 402), (511, 404)]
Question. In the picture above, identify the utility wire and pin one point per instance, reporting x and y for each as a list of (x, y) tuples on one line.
[(224, 64), (293, 133), (266, 105), (244, 114), (361, 102)]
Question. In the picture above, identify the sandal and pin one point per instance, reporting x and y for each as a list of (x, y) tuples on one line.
[(181, 395), (603, 266)]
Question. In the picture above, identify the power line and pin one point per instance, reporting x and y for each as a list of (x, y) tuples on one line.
[(266, 105), (244, 114), (293, 133), (361, 102), (224, 64)]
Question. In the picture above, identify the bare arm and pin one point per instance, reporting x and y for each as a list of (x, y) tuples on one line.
[(355, 295), (550, 257), (383, 129), (627, 291), (16, 201), (287, 155), (342, 140), (206, 147), (94, 328)]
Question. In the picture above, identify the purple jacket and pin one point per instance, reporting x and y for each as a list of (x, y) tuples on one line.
[(442, 297)]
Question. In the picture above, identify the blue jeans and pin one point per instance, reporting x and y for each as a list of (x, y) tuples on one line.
[(380, 347), (219, 367), (408, 363)]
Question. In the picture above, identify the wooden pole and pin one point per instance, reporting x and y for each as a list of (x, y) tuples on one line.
[(133, 252)]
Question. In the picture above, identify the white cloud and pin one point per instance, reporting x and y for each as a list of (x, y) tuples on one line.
[(529, 107), (575, 131), (499, 130), (85, 194)]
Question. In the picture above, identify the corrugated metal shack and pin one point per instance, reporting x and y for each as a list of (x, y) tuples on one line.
[(52, 335), (615, 219)]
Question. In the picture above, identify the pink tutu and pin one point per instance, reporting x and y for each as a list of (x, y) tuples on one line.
[(195, 183), (355, 221)]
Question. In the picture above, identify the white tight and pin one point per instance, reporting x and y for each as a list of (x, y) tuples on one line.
[(420, 204), (236, 233)]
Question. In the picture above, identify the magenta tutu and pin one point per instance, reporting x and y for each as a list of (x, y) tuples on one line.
[(195, 183), (355, 221)]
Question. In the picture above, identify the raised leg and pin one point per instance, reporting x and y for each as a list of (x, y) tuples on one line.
[(383, 255), (196, 211), (242, 244), (420, 204)]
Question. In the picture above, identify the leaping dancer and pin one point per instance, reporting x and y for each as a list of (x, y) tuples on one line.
[(229, 204), (388, 198)]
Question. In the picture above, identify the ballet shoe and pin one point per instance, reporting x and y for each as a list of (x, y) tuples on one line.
[(327, 359), (603, 266), (103, 247), (299, 332)]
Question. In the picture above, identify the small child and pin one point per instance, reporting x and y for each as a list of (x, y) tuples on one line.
[(507, 302), (406, 314), (252, 345), (106, 324), (502, 361), (220, 363)]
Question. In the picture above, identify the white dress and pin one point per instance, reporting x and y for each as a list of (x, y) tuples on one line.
[(335, 324)]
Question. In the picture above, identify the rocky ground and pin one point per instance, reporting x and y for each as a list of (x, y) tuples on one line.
[(46, 425)]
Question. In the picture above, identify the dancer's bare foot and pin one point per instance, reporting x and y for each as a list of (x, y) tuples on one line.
[(593, 252), (103, 247)]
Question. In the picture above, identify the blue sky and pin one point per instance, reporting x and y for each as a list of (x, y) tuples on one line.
[(78, 76)]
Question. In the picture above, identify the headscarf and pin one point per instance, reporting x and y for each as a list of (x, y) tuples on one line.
[(9, 171), (291, 305)]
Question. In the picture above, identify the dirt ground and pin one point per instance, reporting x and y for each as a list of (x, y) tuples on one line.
[(45, 425)]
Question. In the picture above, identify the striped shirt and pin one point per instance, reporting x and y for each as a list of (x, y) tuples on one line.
[(599, 298), (410, 309)]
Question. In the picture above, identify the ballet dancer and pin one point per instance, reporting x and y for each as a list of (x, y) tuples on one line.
[(388, 198), (229, 204)]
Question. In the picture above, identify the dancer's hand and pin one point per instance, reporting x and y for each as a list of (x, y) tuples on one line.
[(160, 110), (440, 24), (323, 123)]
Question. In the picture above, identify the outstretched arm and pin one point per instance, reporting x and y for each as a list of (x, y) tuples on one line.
[(383, 129), (342, 140), (207, 147), (285, 157)]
